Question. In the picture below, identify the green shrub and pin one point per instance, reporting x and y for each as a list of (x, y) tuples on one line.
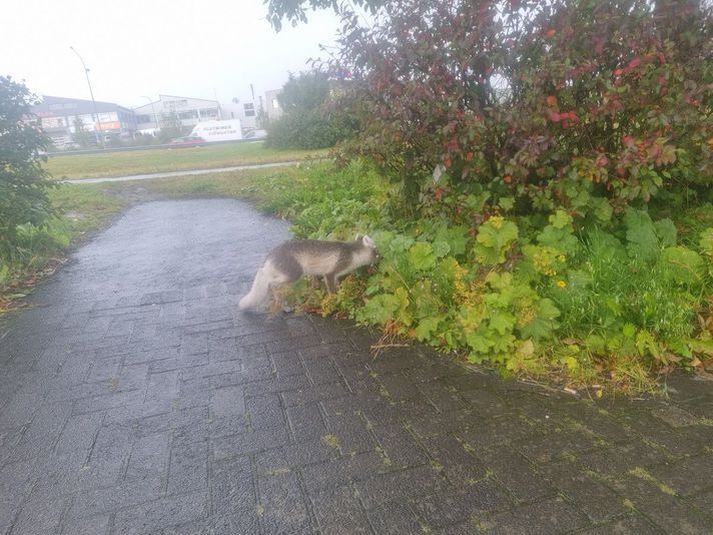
[(23, 183), (305, 129), (582, 104)]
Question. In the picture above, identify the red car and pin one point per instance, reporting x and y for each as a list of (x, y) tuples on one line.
[(188, 141)]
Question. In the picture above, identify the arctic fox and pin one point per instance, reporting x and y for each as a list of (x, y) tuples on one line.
[(292, 259)]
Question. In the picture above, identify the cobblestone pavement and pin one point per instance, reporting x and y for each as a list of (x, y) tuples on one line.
[(135, 398)]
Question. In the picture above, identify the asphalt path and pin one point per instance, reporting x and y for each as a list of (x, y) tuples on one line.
[(188, 172), (136, 398)]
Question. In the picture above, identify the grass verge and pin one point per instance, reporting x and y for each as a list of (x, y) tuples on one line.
[(80, 210), (161, 160)]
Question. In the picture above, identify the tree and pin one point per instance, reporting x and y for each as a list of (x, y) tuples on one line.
[(295, 11), (81, 135), (23, 181), (171, 127), (308, 122), (307, 91)]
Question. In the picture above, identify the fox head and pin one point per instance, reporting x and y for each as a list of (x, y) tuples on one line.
[(369, 246)]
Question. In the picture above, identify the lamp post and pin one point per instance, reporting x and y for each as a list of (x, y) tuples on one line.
[(94, 104), (153, 110)]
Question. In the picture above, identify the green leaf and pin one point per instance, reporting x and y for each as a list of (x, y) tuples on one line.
[(629, 330), (380, 309), (646, 343), (479, 343), (601, 209), (706, 242), (543, 323), (400, 243), (682, 265), (421, 256), (441, 248), (666, 231), (559, 234), (506, 203), (494, 238), (560, 219), (426, 327), (641, 235), (456, 237), (503, 322)]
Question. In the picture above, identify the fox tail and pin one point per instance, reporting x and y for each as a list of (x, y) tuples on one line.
[(265, 278)]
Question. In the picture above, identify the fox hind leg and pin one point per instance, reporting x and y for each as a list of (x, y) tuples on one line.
[(265, 278)]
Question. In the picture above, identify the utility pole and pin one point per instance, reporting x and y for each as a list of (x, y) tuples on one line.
[(94, 104), (153, 110)]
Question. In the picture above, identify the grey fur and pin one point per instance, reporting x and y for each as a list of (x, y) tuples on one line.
[(292, 259)]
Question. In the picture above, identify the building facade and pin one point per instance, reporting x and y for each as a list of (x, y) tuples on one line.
[(187, 111), (63, 119), (273, 109)]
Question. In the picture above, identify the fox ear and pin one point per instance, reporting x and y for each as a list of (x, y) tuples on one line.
[(366, 240), (358, 237)]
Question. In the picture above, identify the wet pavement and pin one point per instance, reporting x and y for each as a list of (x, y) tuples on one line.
[(136, 398)]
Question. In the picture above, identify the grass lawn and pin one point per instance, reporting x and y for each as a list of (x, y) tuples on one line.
[(159, 160)]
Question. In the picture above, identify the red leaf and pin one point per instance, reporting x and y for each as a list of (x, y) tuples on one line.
[(599, 47), (634, 63), (573, 117), (551, 101)]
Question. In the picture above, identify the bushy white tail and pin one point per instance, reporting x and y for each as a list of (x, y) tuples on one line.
[(265, 278)]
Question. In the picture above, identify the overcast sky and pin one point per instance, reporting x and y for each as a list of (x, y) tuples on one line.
[(134, 48)]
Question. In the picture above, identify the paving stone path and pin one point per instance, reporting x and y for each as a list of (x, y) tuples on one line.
[(135, 398)]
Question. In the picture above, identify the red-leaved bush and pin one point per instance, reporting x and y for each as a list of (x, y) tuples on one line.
[(555, 103)]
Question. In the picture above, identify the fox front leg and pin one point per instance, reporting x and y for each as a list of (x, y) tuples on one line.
[(330, 280)]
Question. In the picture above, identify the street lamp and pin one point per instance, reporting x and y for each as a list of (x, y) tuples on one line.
[(94, 104), (153, 110)]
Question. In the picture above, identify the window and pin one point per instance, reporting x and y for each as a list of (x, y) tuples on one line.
[(275, 104), (143, 118), (249, 109)]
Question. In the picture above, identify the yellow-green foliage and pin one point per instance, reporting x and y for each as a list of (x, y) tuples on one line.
[(564, 295)]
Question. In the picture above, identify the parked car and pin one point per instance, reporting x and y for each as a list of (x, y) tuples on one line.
[(256, 134), (187, 141)]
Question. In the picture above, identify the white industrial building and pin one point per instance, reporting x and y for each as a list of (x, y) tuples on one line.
[(273, 109), (188, 110)]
